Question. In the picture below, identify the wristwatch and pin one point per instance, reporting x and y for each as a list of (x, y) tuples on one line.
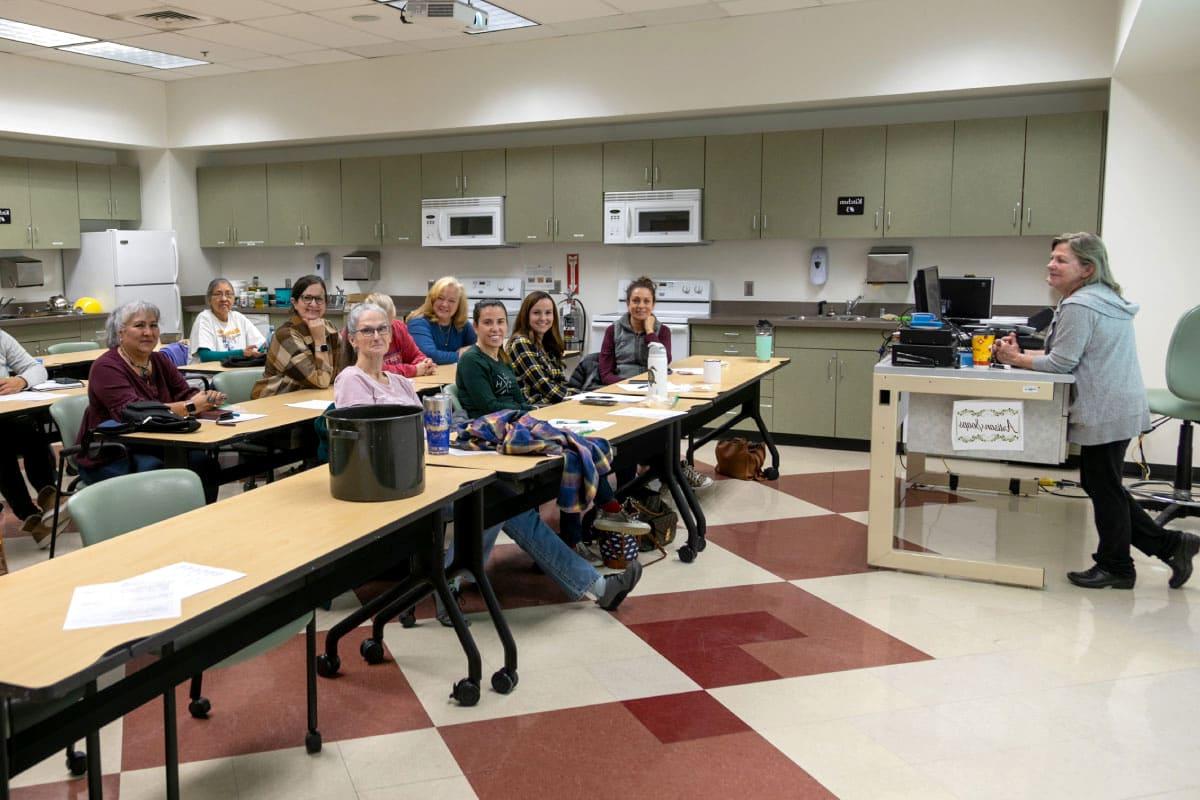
[(191, 407)]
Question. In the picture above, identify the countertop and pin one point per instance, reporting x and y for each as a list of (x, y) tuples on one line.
[(275, 311), (868, 323), (19, 322)]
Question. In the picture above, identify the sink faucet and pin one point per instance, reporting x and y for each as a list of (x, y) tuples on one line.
[(852, 304)]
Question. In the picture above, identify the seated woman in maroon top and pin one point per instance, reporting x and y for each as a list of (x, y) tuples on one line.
[(130, 371)]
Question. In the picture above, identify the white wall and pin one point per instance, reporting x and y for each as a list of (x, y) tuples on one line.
[(836, 54), (65, 103)]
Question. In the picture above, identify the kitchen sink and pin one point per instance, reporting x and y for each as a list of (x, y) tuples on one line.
[(849, 317), (837, 318)]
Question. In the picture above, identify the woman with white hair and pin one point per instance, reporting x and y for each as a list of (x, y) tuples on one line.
[(131, 371), (220, 331)]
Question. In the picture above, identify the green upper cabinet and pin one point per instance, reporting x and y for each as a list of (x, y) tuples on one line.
[(232, 203), (989, 158), (578, 193), (304, 203), (852, 166), (441, 175), (361, 201), (917, 183), (126, 191), (1063, 157), (54, 203), (400, 190), (679, 163), (733, 186), (95, 195), (660, 164), (14, 195), (473, 173), (791, 185), (483, 173), (529, 205), (627, 166), (108, 192)]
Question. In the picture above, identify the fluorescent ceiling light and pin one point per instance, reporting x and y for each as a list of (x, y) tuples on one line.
[(500, 19), (133, 55), (36, 34)]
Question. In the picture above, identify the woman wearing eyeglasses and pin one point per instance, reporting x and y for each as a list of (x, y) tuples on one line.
[(303, 352), (365, 382), (219, 332)]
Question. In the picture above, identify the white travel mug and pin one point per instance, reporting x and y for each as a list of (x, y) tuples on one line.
[(712, 370)]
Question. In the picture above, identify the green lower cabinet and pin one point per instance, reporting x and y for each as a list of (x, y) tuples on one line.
[(855, 370), (810, 389)]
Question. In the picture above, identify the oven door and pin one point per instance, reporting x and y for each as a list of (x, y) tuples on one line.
[(664, 222)]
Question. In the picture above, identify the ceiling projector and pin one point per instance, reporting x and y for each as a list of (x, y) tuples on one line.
[(445, 13)]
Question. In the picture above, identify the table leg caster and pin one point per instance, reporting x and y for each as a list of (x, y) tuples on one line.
[(312, 742), (371, 651), (200, 707), (505, 680), (771, 474), (686, 554), (77, 762), (328, 665), (701, 543), (408, 619), (466, 692)]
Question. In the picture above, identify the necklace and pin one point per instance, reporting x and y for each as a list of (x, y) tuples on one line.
[(446, 331), (144, 369)]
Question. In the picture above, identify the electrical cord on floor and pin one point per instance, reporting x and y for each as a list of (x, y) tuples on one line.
[(1045, 485)]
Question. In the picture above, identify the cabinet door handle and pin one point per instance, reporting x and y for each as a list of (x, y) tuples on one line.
[(754, 222), (656, 174), (1028, 216), (383, 229), (841, 370), (116, 206), (300, 232), (235, 233), (764, 227), (108, 205), (547, 226), (556, 226), (464, 183), (829, 368), (375, 230), (877, 219), (36, 234), (730, 351), (646, 175), (732, 333), (307, 233), (1016, 213), (889, 220), (29, 234)]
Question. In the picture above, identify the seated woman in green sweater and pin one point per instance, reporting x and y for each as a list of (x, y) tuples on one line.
[(485, 381)]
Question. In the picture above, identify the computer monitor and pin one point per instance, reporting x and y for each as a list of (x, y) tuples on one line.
[(966, 298), (927, 294)]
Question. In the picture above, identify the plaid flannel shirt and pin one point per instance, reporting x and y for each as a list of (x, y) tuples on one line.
[(585, 461), (292, 363), (543, 378)]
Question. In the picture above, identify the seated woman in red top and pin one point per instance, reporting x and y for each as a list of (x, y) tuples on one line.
[(403, 356), (132, 370)]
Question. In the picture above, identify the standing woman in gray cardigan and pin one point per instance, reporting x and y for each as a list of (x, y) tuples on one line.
[(1092, 338)]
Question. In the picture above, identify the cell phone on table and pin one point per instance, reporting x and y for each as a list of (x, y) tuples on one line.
[(638, 383), (597, 401)]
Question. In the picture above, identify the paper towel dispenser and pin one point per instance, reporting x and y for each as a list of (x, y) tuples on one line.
[(20, 271), (361, 265), (888, 264)]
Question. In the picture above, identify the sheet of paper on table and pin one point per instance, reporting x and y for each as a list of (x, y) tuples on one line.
[(28, 397), (50, 386), (583, 427), (454, 452), (188, 578), (314, 405), (618, 398), (647, 413), (672, 388), (100, 604), (238, 416)]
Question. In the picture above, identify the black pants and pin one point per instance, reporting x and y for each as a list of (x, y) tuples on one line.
[(21, 436), (1120, 521)]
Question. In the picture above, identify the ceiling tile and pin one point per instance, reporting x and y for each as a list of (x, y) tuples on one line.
[(457, 42), (79, 60), (268, 62), (739, 7), (103, 6), (69, 19), (680, 14), (630, 6), (323, 56), (316, 30), (203, 71), (387, 22), (385, 50), (316, 5), (247, 38), (231, 10), (615, 22), (552, 11), (191, 47)]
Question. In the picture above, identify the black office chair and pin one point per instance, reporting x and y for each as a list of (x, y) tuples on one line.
[(1181, 401)]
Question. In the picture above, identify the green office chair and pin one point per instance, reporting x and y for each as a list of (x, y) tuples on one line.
[(71, 347), (236, 384), (1181, 401), (457, 412), (127, 502)]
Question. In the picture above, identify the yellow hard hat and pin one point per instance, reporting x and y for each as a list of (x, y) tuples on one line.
[(88, 305)]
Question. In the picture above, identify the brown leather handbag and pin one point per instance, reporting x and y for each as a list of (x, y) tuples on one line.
[(742, 459)]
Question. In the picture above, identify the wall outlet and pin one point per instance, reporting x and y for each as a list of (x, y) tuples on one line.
[(748, 288)]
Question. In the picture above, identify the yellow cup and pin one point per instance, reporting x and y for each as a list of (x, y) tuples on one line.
[(981, 348)]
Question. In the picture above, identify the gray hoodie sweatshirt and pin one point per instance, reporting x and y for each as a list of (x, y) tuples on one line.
[(1092, 338)]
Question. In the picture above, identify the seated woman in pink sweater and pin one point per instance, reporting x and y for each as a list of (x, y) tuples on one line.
[(366, 382)]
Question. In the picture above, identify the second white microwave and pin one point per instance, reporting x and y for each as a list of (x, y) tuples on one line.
[(666, 217), (462, 222)]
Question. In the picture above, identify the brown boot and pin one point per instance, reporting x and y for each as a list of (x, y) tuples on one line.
[(39, 530)]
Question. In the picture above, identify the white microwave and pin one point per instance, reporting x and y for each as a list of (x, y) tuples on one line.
[(666, 217), (462, 222)]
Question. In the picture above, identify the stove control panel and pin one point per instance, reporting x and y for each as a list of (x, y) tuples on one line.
[(696, 290), (493, 288)]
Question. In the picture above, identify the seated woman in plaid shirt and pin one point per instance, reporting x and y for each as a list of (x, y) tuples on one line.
[(535, 351)]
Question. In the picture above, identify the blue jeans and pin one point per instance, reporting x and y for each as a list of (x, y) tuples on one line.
[(556, 559)]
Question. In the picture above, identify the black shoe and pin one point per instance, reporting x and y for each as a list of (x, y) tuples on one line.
[(1180, 561), (1097, 578), (617, 586)]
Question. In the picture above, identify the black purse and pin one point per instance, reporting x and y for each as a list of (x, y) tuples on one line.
[(150, 416)]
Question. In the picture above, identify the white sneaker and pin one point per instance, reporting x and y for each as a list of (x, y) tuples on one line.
[(620, 522), (695, 479), (588, 553)]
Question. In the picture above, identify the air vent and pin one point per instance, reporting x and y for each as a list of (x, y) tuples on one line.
[(167, 18)]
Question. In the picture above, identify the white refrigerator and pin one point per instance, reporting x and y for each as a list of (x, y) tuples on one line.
[(116, 267)]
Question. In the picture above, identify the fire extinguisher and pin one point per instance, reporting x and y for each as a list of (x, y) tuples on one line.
[(572, 315)]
